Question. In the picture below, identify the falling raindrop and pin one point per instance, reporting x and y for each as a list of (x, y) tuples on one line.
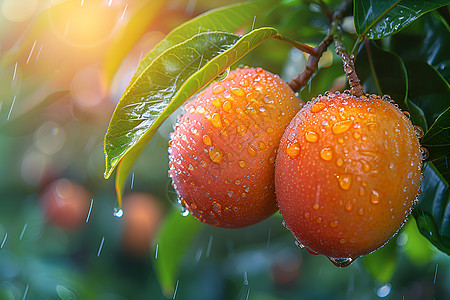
[(384, 290), (208, 249), (101, 246), (23, 231), (156, 251), (245, 281), (176, 289), (25, 292), (90, 209)]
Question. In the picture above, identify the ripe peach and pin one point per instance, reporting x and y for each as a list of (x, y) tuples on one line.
[(222, 151), (66, 203), (347, 173)]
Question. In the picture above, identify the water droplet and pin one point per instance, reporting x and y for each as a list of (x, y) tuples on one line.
[(262, 145), (272, 159), (216, 155), (269, 130), (311, 136), (202, 164), (237, 182), (207, 140), (419, 131), (424, 152), (251, 150), (318, 106), (216, 102), (345, 181), (191, 167), (339, 162), (334, 223), (375, 197), (361, 191), (407, 114), (340, 140), (227, 106), (237, 91), (230, 194), (341, 262), (387, 98), (365, 165), (372, 126), (342, 126), (307, 215), (356, 135), (293, 150), (326, 154), (218, 89), (361, 211), (184, 212), (200, 109), (242, 163), (216, 120), (241, 129), (216, 206), (299, 245), (118, 212), (349, 206)]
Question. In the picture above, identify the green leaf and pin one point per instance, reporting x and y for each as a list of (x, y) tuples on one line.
[(228, 18), (174, 240), (171, 79), (377, 19), (64, 293), (382, 72), (428, 90), (432, 213), (382, 263), (437, 139)]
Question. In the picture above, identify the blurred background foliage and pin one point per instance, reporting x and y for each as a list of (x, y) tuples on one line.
[(64, 66)]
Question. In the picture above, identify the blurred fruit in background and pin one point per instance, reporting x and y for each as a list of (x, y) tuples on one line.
[(142, 215), (66, 203)]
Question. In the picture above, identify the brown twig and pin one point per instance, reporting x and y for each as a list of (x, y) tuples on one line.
[(302, 79)]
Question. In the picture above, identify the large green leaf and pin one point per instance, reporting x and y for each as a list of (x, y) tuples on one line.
[(382, 72), (432, 213), (376, 19), (174, 239), (173, 77), (228, 18)]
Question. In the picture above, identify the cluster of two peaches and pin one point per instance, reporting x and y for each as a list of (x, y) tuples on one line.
[(343, 170)]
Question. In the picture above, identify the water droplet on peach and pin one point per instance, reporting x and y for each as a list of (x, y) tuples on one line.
[(241, 129), (339, 162), (311, 136), (251, 150), (216, 155), (269, 130), (242, 164), (318, 106), (216, 102), (293, 150), (341, 127), (216, 120), (375, 197), (218, 89), (207, 140), (237, 91), (326, 154), (227, 106), (345, 181)]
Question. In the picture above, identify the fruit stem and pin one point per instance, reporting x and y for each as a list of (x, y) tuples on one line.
[(348, 61)]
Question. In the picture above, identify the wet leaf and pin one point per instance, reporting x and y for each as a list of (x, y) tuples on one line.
[(382, 72), (382, 263), (129, 35), (228, 18), (432, 213), (378, 19), (171, 79), (174, 240)]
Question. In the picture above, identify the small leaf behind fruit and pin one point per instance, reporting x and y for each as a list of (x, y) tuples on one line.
[(378, 19), (174, 239), (173, 77), (432, 213), (437, 138), (382, 72)]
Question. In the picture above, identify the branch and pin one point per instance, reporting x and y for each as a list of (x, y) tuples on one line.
[(302, 79)]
